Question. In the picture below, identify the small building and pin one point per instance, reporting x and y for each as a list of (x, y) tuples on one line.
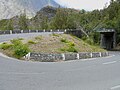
[(108, 38)]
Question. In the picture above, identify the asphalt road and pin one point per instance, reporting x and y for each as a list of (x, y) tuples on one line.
[(89, 74)]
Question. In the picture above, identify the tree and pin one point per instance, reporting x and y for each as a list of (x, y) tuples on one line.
[(60, 20), (23, 22), (10, 25), (44, 23)]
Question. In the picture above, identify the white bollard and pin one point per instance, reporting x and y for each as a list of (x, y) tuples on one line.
[(63, 55), (21, 31), (51, 30), (100, 54), (65, 30), (78, 56), (44, 30), (28, 56), (37, 31), (10, 31), (91, 55)]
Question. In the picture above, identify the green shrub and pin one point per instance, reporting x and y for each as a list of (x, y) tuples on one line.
[(72, 49), (89, 41), (31, 42), (64, 40), (63, 49), (21, 50), (18, 48), (20, 39), (56, 35), (71, 43), (69, 49), (70, 46), (5, 46), (16, 42), (38, 38)]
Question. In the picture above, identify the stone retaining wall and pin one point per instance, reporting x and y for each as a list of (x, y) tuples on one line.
[(63, 57), (45, 57)]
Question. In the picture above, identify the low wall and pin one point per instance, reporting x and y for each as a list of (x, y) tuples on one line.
[(45, 57), (63, 57), (77, 33), (27, 31)]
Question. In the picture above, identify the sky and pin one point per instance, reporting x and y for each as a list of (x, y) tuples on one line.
[(84, 4)]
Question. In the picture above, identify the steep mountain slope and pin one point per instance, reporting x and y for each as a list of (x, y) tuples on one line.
[(10, 8)]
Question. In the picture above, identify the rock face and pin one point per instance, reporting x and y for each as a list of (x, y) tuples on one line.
[(47, 11), (10, 8)]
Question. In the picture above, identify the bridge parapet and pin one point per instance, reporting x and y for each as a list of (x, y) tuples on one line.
[(105, 30)]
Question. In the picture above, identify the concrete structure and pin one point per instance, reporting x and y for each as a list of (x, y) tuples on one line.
[(108, 38), (43, 57)]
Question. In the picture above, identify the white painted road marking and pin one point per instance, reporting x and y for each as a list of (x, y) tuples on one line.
[(115, 87), (109, 62), (21, 73)]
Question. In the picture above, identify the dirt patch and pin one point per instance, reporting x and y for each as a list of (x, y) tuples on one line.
[(52, 44)]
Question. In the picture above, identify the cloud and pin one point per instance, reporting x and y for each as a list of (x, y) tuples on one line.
[(83, 4)]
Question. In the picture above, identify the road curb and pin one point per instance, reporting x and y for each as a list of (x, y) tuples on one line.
[(44, 57)]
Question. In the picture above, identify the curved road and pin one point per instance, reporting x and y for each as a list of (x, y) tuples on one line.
[(90, 74)]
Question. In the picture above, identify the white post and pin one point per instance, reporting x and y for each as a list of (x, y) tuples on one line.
[(91, 55), (65, 30), (10, 31), (21, 31), (63, 55), (36, 30), (100, 54), (78, 56), (28, 56), (44, 30), (51, 30)]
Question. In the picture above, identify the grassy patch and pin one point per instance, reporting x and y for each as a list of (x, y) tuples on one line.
[(72, 49), (16, 42), (20, 38), (38, 38), (17, 48), (64, 40), (31, 42), (56, 35), (70, 46), (5, 46), (21, 50), (69, 49)]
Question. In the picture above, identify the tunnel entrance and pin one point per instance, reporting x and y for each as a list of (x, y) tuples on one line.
[(108, 39)]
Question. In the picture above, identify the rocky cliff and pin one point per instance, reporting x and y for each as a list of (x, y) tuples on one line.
[(10, 8)]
